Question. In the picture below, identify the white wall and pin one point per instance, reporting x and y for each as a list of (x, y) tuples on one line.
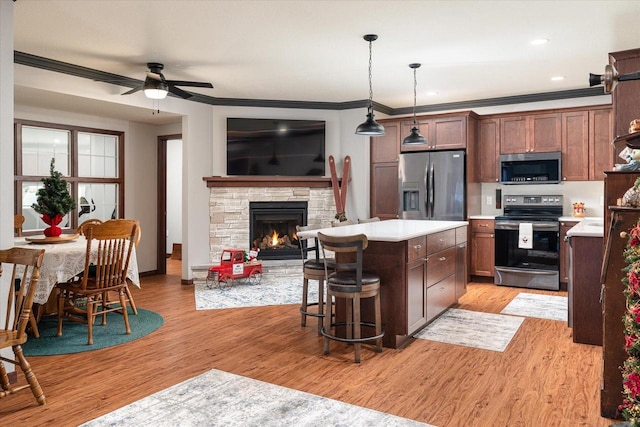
[(6, 148)]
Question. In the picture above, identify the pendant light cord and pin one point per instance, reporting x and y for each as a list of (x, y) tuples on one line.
[(370, 84), (415, 88)]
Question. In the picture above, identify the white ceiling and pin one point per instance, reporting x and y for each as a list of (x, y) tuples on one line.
[(312, 50)]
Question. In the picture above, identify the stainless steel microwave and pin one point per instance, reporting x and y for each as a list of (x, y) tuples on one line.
[(531, 168)]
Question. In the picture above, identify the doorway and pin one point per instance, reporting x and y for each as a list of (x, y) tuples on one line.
[(169, 194)]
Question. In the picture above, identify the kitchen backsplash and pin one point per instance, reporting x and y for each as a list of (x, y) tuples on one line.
[(591, 193)]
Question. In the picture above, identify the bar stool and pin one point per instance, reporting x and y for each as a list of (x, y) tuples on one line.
[(349, 282), (312, 269)]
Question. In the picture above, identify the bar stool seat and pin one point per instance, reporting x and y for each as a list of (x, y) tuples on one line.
[(349, 282)]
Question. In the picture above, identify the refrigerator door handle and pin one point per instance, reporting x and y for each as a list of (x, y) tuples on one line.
[(431, 190), (427, 199)]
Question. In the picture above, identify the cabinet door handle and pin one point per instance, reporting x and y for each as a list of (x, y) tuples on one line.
[(483, 225), (442, 258), (417, 247), (441, 240), (492, 235)]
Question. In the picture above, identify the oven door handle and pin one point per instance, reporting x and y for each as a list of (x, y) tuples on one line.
[(509, 225), (528, 271)]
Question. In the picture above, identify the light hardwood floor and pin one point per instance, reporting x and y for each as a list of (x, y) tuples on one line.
[(542, 379)]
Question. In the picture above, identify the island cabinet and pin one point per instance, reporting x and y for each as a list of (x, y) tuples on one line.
[(417, 263), (530, 133)]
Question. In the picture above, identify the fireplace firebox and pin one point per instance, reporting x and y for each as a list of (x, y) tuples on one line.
[(273, 228)]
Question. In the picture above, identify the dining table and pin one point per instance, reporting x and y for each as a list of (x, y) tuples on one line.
[(64, 260)]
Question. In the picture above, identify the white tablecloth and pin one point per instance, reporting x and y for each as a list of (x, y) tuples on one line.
[(62, 261)]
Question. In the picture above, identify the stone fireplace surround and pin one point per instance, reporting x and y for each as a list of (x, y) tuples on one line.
[(229, 212)]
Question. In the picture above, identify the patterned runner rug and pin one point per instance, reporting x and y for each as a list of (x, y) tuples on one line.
[(486, 331), (218, 398), (552, 307)]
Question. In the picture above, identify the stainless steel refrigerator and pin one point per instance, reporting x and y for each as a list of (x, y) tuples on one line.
[(432, 185)]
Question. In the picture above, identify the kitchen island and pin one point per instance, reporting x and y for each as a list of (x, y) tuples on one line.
[(422, 267)]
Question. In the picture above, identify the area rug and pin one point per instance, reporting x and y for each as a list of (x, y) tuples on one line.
[(270, 291), (487, 331), (218, 398), (74, 335), (552, 307)]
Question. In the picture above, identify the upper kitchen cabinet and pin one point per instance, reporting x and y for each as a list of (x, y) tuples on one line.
[(586, 144), (531, 133), (488, 150), (386, 148), (446, 132), (625, 102)]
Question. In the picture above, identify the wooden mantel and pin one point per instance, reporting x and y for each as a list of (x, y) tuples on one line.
[(268, 181)]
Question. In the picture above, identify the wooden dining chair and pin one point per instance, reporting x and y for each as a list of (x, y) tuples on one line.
[(84, 298), (18, 220), (81, 230), (25, 274)]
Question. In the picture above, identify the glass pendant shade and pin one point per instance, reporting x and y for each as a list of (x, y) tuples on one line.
[(414, 137), (155, 89), (370, 127)]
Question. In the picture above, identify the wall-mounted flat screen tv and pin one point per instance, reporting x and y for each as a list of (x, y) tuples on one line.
[(275, 147)]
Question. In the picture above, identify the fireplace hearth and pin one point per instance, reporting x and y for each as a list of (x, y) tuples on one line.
[(273, 228)]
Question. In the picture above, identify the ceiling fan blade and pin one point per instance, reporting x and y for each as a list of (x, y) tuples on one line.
[(134, 90), (187, 83), (181, 93)]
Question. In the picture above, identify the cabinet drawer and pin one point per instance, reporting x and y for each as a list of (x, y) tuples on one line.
[(416, 248), (441, 265), (461, 235), (440, 297), (482, 225), (439, 241)]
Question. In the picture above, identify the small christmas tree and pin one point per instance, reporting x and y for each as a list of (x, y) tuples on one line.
[(54, 201)]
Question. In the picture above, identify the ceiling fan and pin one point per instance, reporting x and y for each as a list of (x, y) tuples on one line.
[(156, 86)]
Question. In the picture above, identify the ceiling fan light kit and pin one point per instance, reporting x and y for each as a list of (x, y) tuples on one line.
[(155, 89), (414, 137), (370, 127)]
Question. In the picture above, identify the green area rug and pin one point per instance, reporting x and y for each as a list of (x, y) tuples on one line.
[(74, 335)]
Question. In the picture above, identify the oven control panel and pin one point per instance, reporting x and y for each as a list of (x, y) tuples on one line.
[(553, 200)]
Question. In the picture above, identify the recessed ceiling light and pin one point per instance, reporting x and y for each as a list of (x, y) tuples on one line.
[(538, 42), (557, 78)]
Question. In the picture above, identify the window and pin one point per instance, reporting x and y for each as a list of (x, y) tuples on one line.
[(91, 161)]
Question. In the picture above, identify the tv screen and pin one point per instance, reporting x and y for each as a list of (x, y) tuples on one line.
[(272, 147)]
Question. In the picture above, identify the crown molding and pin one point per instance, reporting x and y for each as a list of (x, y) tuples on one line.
[(49, 64)]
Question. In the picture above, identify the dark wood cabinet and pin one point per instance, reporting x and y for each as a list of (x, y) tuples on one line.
[(613, 304), (383, 194), (575, 146), (584, 292), (447, 132), (416, 294), (625, 96), (488, 150), (601, 151), (482, 247), (564, 250), (530, 133)]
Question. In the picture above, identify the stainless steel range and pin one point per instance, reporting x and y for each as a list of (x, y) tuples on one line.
[(527, 242)]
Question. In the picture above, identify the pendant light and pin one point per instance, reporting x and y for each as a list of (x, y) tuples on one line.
[(414, 137), (370, 127)]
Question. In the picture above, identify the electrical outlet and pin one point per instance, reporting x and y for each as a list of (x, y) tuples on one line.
[(489, 200)]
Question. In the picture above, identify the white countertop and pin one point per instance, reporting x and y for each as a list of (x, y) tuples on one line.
[(393, 230), (588, 227), (482, 217)]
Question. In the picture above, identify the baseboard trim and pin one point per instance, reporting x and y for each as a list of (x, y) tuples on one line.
[(186, 281)]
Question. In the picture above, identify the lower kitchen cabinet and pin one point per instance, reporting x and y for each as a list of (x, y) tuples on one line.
[(564, 250), (585, 308), (416, 294), (440, 296), (482, 247)]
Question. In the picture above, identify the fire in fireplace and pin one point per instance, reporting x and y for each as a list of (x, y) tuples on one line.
[(273, 228)]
